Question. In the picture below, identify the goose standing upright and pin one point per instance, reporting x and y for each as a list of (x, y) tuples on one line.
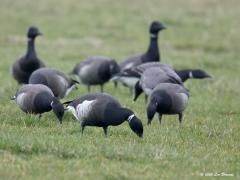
[(152, 54), (96, 70), (24, 66), (167, 98), (102, 110), (56, 80), (37, 99)]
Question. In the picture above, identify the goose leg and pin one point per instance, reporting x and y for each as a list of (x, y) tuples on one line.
[(101, 87), (82, 128), (115, 84), (89, 88), (180, 116), (160, 119), (105, 130), (146, 99)]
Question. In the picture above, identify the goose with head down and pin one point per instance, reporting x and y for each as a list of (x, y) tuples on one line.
[(102, 110), (38, 99)]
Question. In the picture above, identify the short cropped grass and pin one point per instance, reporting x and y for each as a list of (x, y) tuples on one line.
[(200, 34)]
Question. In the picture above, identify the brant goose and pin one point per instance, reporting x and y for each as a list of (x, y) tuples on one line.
[(37, 99), (24, 66), (95, 70), (102, 110), (167, 98)]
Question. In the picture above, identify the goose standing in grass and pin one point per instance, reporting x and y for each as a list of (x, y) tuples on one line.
[(152, 77), (56, 80), (167, 98), (96, 70), (102, 110), (24, 66), (38, 99)]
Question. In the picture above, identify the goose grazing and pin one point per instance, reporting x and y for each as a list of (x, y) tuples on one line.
[(192, 74), (152, 54), (167, 98), (56, 80), (102, 110), (153, 76), (24, 66), (38, 99), (95, 70)]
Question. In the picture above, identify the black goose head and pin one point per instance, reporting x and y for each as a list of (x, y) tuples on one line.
[(137, 91), (151, 109), (33, 32), (57, 108), (199, 74), (156, 26), (134, 123)]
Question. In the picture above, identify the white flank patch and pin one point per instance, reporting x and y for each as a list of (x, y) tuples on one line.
[(20, 99), (84, 108), (73, 111), (128, 66), (129, 81)]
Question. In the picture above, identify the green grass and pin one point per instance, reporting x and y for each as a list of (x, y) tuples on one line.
[(200, 34)]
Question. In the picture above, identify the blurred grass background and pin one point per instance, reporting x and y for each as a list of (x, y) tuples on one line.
[(200, 34)]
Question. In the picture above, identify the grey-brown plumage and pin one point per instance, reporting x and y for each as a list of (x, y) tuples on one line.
[(152, 54), (102, 110), (56, 80), (24, 66), (95, 70), (37, 99), (153, 76), (167, 98)]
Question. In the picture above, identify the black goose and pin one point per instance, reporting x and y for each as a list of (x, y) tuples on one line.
[(24, 66), (102, 110), (152, 54), (167, 98), (95, 70), (56, 80), (38, 99), (153, 76)]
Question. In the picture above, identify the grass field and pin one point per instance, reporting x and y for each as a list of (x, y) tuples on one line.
[(200, 34)]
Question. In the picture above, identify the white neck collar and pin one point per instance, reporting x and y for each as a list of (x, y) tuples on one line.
[(190, 74), (153, 35), (130, 117)]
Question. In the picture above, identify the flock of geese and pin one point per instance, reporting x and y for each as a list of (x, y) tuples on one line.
[(42, 87)]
